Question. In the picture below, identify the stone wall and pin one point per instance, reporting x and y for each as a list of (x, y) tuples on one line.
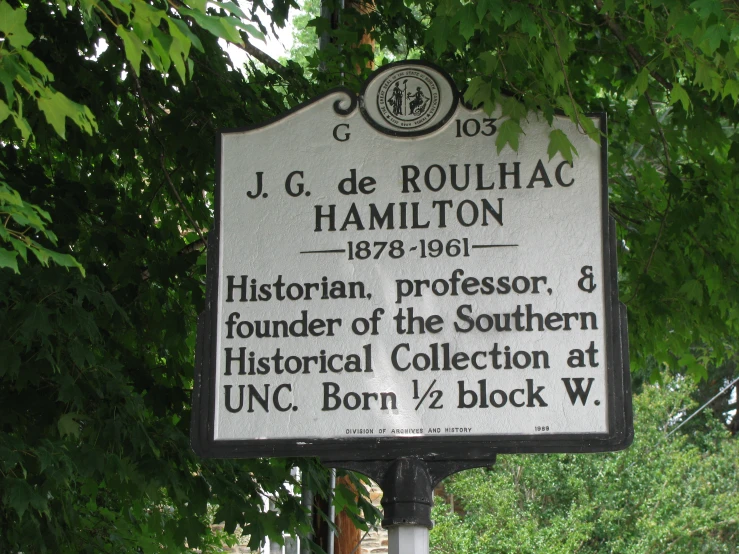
[(376, 540)]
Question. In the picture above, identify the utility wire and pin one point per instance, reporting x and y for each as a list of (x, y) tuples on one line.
[(664, 438), (699, 410)]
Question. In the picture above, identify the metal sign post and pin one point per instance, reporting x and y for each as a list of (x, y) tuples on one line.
[(407, 485), (409, 490), (389, 293)]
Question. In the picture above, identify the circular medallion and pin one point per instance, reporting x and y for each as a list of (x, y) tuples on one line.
[(408, 98)]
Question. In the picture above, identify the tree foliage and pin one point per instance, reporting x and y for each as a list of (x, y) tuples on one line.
[(104, 170), (108, 111), (663, 494)]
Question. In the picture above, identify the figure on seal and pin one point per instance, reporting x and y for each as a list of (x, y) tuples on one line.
[(396, 100), (418, 101)]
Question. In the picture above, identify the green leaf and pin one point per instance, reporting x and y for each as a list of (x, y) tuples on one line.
[(133, 45), (69, 425), (530, 27), (706, 8), (142, 28), (13, 24), (707, 77), (687, 25), (19, 247), (492, 7), (178, 59), (162, 45), (508, 133), (693, 291), (513, 14), (57, 107), (472, 88), (231, 7), (731, 88), (18, 495), (559, 142), (642, 80), (27, 216), (198, 4), (467, 21), (221, 27), (480, 92), (8, 259), (36, 64), (42, 255), (88, 6), (157, 57), (62, 5), (438, 33), (7, 79), (51, 105), (711, 39), (124, 6), (185, 30), (65, 260), (252, 30), (695, 369), (588, 125), (11, 363), (22, 124), (143, 11), (678, 94), (4, 111), (513, 108), (649, 25), (490, 60), (9, 195)]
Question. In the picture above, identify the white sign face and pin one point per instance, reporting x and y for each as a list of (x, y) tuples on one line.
[(384, 273)]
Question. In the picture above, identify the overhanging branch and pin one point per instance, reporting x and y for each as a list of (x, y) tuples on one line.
[(639, 60), (261, 56)]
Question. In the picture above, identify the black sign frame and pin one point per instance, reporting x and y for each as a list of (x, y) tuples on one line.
[(473, 448)]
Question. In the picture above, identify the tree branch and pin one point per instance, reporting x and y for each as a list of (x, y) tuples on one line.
[(198, 245), (261, 56), (665, 146), (247, 47), (659, 234), (149, 116), (639, 60), (177, 195), (168, 178), (564, 72)]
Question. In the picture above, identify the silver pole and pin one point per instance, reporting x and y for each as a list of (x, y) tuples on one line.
[(307, 502), (408, 539), (332, 513), (326, 13)]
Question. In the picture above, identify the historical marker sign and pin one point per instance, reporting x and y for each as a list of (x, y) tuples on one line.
[(382, 283)]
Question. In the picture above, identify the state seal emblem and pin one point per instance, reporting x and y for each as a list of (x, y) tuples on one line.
[(408, 98)]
